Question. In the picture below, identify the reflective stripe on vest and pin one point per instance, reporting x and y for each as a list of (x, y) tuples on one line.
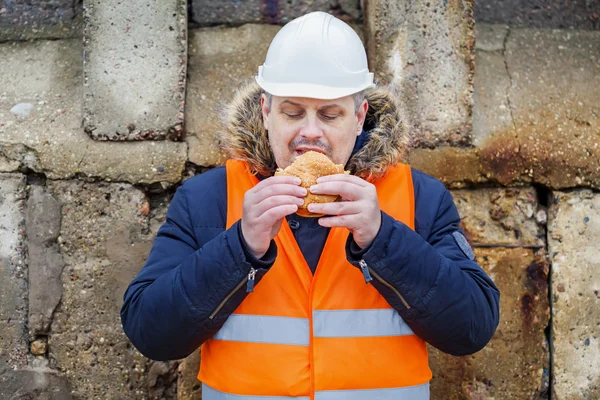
[(327, 336), (326, 323), (405, 393)]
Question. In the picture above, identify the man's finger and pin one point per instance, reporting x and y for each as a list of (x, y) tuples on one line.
[(344, 178), (277, 190), (285, 179), (335, 208), (347, 221), (276, 201), (348, 190), (274, 214)]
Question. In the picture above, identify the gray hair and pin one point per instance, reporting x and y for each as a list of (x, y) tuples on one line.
[(357, 97)]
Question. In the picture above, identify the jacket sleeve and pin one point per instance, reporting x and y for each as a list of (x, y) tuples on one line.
[(167, 307), (439, 290)]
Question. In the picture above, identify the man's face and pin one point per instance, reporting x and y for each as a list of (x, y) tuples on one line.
[(297, 125)]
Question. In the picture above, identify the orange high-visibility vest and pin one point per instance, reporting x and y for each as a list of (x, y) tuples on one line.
[(329, 336)]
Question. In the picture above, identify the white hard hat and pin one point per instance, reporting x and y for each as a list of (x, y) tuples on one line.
[(316, 56)]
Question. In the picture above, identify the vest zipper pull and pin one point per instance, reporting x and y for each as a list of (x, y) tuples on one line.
[(250, 285), (365, 270)]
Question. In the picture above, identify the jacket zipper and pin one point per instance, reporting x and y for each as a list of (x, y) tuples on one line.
[(368, 271), (249, 279)]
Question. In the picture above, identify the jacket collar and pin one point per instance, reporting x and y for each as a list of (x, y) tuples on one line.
[(384, 142)]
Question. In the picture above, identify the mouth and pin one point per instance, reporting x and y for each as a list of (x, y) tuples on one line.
[(301, 150)]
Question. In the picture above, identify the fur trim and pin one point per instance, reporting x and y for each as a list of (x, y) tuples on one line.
[(245, 137)]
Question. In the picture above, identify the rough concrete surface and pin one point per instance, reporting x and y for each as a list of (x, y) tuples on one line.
[(105, 238), (13, 273), (188, 385), (50, 140), (221, 60), (455, 167), (36, 382), (536, 114), (134, 69), (37, 19), (42, 225), (574, 229), (426, 50), (212, 12), (555, 133), (556, 14), (500, 217), (515, 364)]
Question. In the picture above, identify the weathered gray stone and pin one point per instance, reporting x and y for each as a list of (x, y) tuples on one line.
[(221, 59), (188, 385), (571, 14), (36, 12), (105, 238), (13, 272), (500, 217), (39, 19), (39, 383), (455, 167), (134, 69), (515, 364), (489, 37), (573, 230), (491, 109), (50, 140), (554, 135), (62, 30), (535, 119), (426, 50), (45, 262), (211, 12)]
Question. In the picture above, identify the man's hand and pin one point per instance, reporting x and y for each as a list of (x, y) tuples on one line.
[(358, 211), (265, 206)]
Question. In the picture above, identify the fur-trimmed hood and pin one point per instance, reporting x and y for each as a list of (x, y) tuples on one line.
[(387, 142)]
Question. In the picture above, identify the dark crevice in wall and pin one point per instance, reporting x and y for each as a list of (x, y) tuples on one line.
[(544, 194), (544, 197), (35, 178)]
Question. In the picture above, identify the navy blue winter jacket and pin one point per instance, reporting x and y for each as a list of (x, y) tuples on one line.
[(195, 264)]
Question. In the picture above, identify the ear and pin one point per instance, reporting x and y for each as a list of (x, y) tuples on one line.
[(361, 115), (264, 105)]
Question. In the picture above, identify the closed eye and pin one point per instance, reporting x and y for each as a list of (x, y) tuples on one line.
[(293, 115), (329, 117)]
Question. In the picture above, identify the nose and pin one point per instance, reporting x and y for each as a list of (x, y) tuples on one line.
[(311, 129)]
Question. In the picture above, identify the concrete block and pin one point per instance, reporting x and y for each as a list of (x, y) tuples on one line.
[(573, 232), (212, 12), (105, 237), (515, 364), (13, 273), (551, 136), (221, 60), (38, 382), (426, 50), (500, 217), (39, 19), (455, 167), (50, 140), (134, 69), (576, 15), (534, 119), (42, 225), (188, 385)]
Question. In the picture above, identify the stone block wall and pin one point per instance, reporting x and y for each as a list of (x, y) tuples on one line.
[(96, 134)]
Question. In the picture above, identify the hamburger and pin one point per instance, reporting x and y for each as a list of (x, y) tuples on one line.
[(308, 167)]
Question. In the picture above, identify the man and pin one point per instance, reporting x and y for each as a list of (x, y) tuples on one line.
[(337, 307)]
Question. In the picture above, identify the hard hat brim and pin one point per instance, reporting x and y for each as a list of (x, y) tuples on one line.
[(308, 90)]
